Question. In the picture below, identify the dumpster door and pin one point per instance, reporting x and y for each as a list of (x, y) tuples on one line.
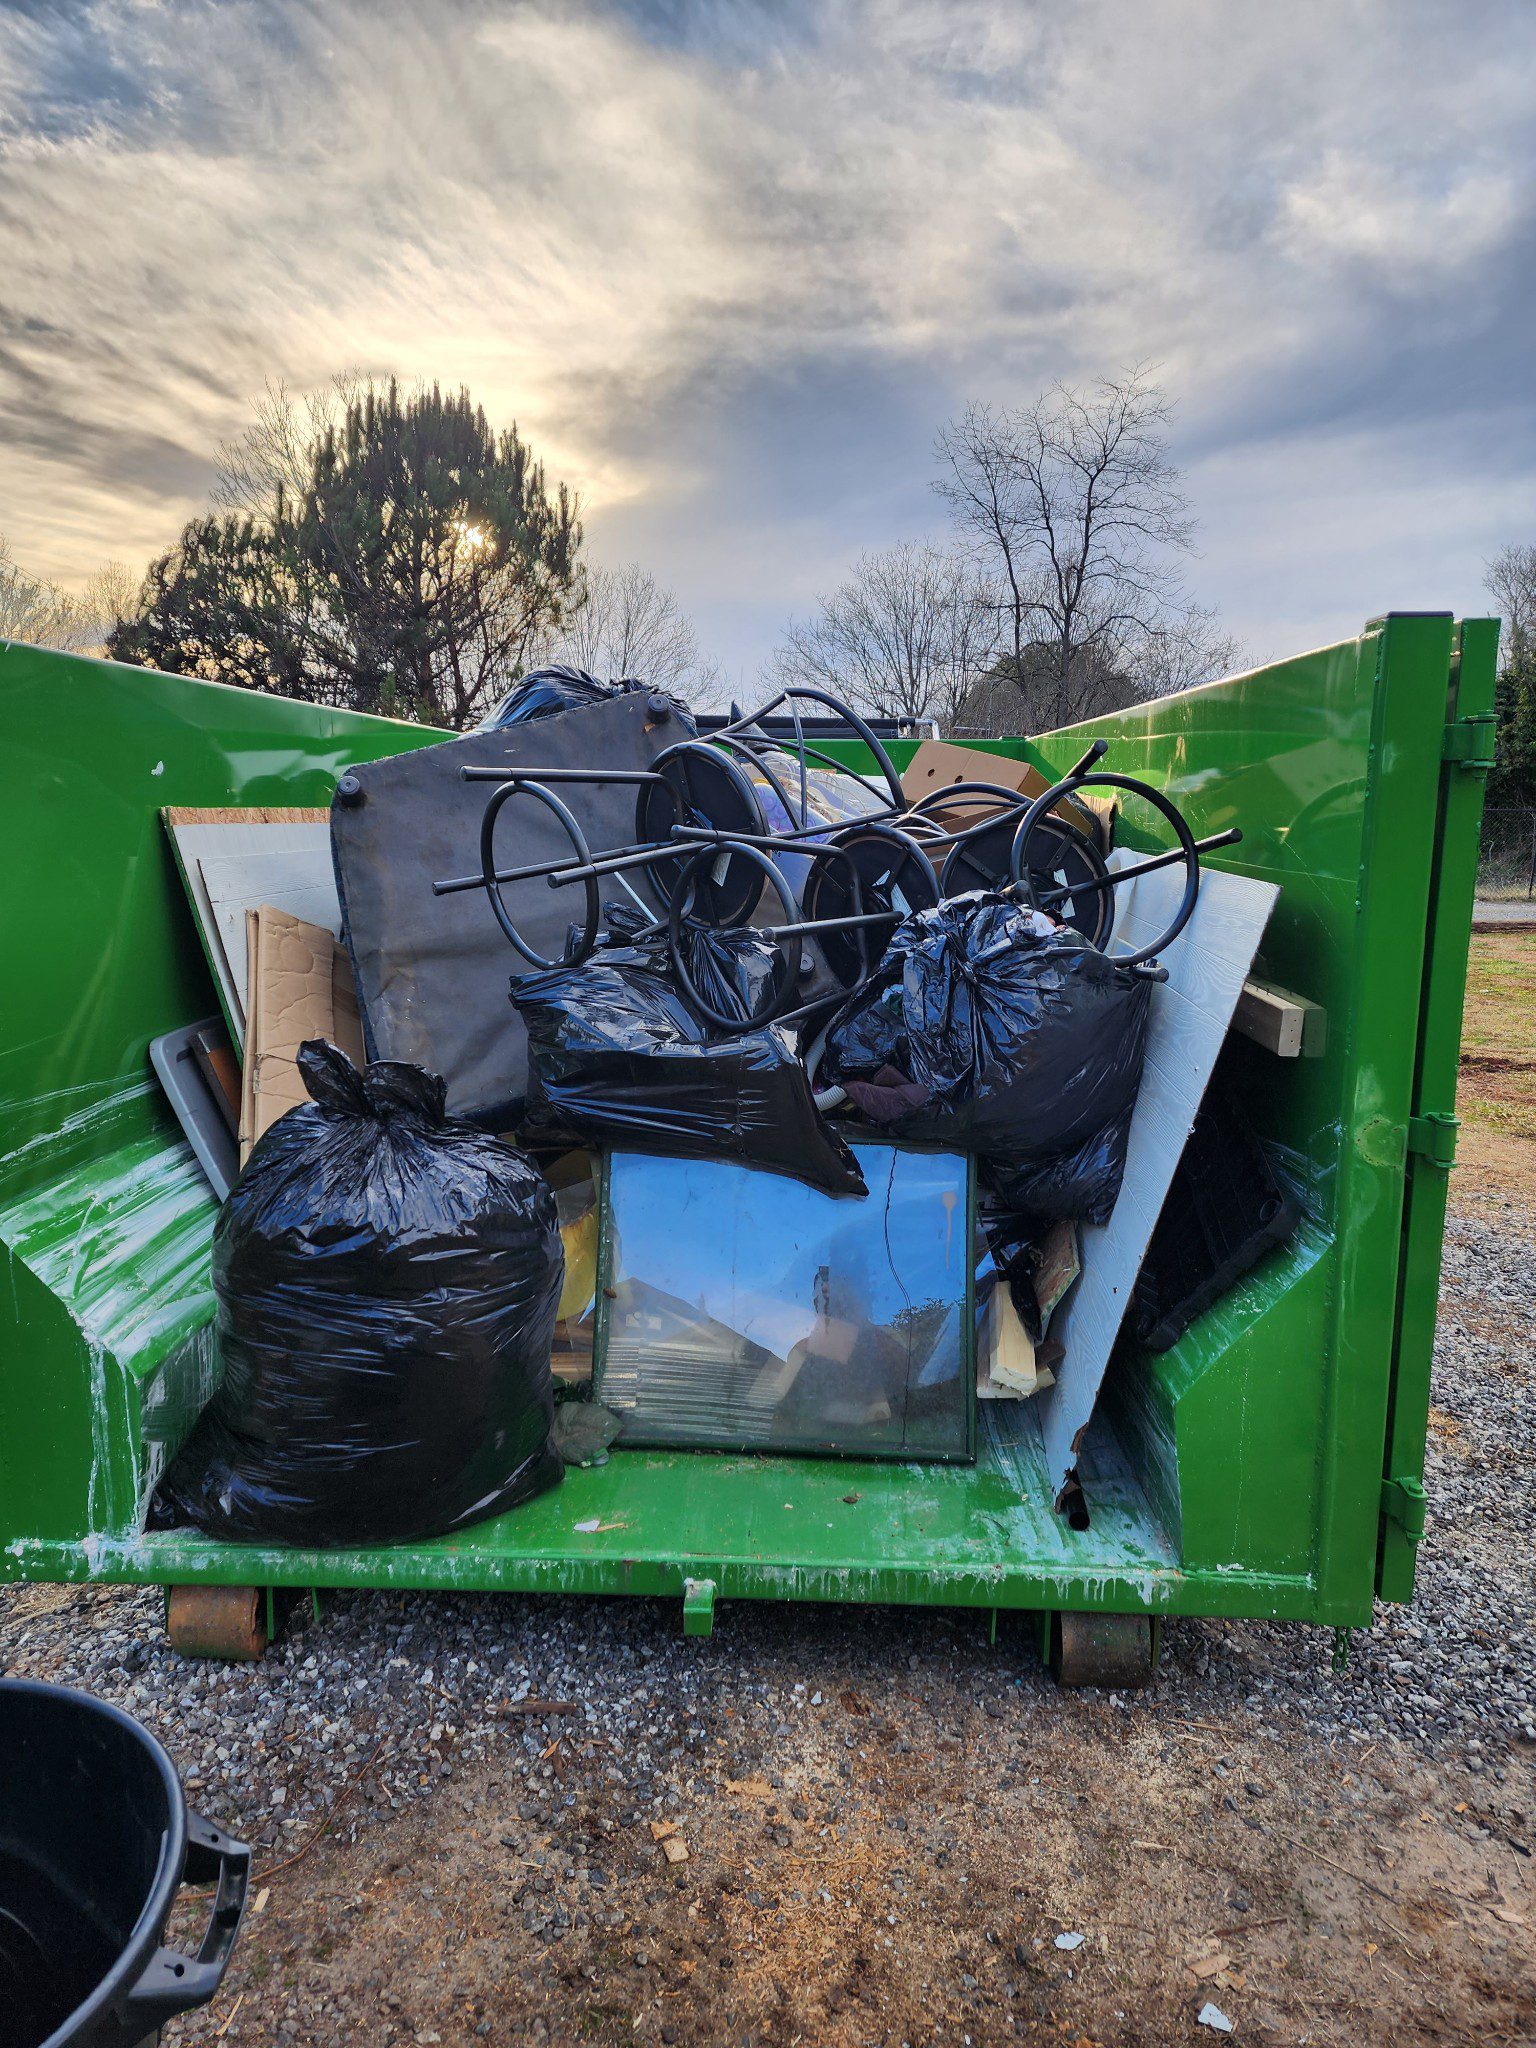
[(1468, 755)]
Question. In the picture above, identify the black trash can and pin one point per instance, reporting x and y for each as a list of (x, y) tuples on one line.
[(95, 1840)]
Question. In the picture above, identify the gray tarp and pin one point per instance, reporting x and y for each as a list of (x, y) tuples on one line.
[(433, 971)]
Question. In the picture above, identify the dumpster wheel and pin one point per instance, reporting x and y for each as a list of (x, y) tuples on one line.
[(226, 1623), (1115, 1650)]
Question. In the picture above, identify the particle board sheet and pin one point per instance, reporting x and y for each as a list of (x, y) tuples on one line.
[(234, 860), (1189, 1019)]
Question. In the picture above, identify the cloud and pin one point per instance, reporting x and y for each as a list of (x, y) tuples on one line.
[(730, 266)]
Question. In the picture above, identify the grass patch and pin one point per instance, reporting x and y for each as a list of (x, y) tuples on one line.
[(1498, 1035), (1500, 1015)]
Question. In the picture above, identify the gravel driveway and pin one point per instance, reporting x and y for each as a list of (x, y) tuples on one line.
[(461, 1804)]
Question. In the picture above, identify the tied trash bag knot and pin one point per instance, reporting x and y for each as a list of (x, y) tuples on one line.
[(389, 1088)]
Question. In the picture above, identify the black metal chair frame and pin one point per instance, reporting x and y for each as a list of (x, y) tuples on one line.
[(704, 850)]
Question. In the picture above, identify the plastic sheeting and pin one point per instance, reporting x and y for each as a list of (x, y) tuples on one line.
[(617, 1057), (992, 1028), (745, 1312), (387, 1280)]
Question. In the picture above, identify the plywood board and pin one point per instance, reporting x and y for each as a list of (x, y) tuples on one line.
[(230, 861), (1190, 1016)]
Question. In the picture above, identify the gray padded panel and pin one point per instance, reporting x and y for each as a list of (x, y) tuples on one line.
[(433, 971)]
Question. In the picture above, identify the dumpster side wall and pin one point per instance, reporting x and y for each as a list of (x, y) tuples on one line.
[(105, 1220), (1277, 1402)]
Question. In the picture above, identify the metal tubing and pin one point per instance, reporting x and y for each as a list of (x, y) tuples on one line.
[(830, 924), (1146, 867), (882, 759), (613, 864), (631, 775), (456, 883)]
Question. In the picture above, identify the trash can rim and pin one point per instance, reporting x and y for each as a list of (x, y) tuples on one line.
[(141, 1944)]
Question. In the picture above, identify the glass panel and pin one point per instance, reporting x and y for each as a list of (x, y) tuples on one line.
[(748, 1312)]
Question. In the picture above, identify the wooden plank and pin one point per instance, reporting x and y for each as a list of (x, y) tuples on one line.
[(176, 815), (1287, 1025), (1005, 1352)]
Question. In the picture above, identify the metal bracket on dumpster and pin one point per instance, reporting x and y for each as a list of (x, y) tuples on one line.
[(1402, 1502), (698, 1607), (1469, 742), (1432, 1137)]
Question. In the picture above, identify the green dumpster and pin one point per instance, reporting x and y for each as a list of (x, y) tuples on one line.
[(1268, 1465)]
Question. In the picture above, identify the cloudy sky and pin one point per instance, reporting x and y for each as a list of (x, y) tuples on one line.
[(730, 266)]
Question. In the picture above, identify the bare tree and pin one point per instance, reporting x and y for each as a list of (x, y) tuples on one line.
[(270, 459), (907, 636), (625, 623), (108, 600), (1074, 506), (35, 610), (1511, 582), (1192, 647)]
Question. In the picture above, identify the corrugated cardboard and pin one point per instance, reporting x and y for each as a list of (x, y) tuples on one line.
[(938, 764), (300, 986)]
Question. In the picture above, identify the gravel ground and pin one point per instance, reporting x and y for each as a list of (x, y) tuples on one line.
[(390, 1714)]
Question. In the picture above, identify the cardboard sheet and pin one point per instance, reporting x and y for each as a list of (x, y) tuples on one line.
[(300, 987), (1190, 1015), (939, 763), (231, 860)]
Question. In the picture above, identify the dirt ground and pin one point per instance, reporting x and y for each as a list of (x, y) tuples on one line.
[(876, 1889)]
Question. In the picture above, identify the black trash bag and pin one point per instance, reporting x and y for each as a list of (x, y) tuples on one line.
[(990, 1028), (1229, 1205), (616, 1056), (387, 1279), (545, 691), (1013, 1246)]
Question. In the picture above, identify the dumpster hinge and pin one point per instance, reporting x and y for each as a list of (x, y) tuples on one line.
[(1469, 742), (698, 1607), (1432, 1137), (1402, 1502)]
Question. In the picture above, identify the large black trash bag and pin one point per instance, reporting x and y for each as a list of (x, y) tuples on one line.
[(545, 691), (387, 1279), (616, 1056), (990, 1027)]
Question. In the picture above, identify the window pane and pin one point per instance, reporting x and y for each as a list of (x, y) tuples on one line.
[(749, 1312)]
